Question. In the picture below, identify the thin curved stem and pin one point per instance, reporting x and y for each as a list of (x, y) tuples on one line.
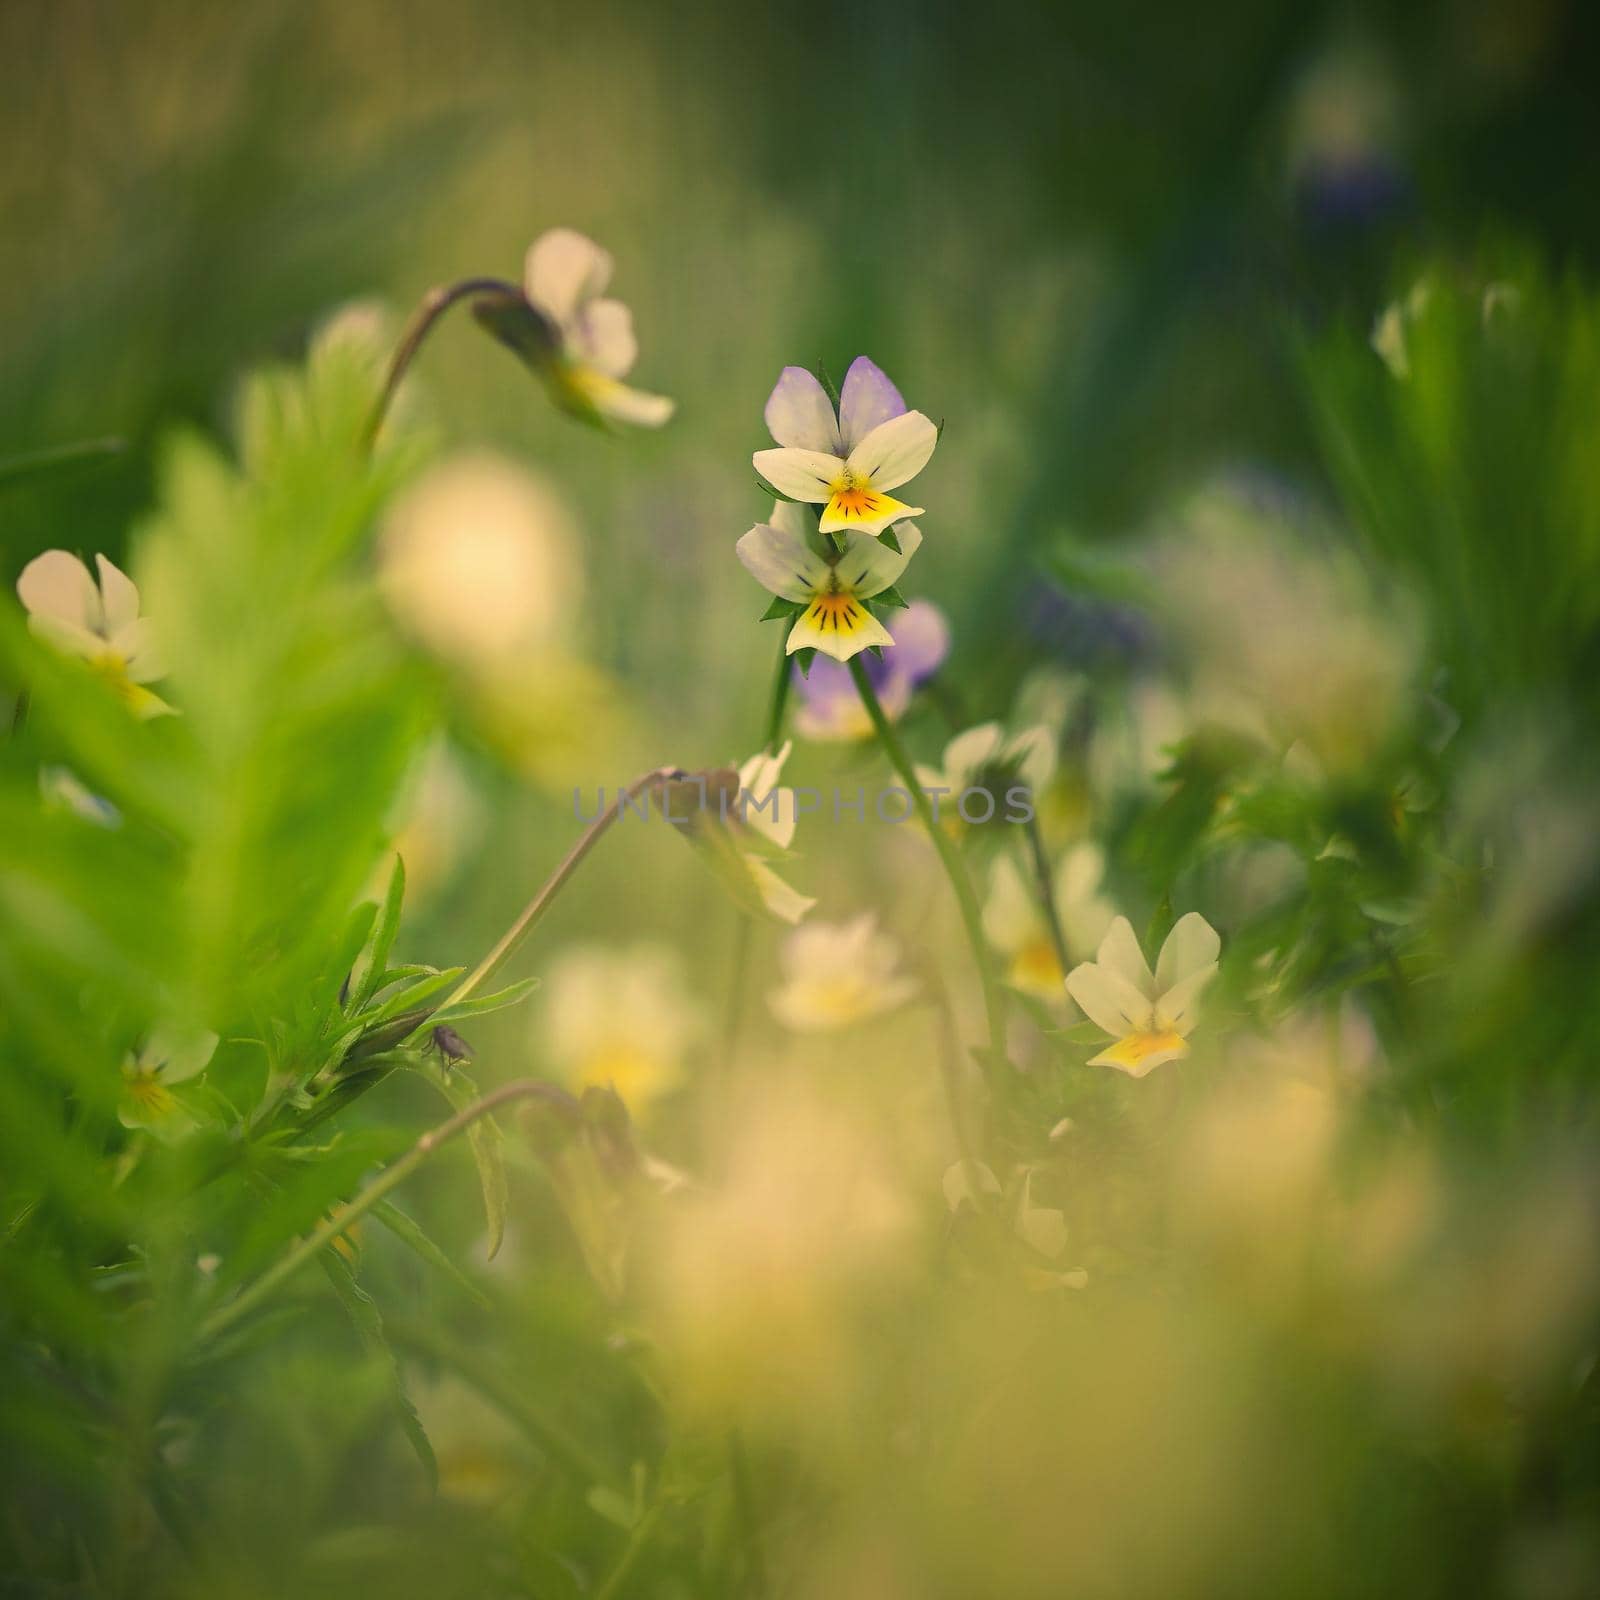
[(388, 1180), (530, 914), (435, 303), (955, 869), (1047, 892)]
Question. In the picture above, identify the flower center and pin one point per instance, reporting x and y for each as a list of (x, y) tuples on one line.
[(146, 1090), (854, 499), (838, 611)]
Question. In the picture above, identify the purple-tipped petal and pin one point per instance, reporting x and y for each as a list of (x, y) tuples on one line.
[(921, 642), (867, 399), (800, 415)]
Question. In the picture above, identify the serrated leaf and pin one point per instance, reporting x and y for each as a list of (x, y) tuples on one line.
[(368, 1323), (374, 957), (512, 994), (409, 1232)]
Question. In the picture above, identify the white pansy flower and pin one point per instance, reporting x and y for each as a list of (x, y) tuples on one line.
[(838, 974), (565, 279), (1015, 923), (832, 586), (98, 621), (621, 1018), (985, 756), (1150, 1015), (167, 1057), (845, 463)]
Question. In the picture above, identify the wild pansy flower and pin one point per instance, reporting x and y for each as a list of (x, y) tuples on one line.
[(1015, 922), (827, 588), (1150, 1015), (838, 974), (845, 463), (829, 705), (621, 1018), (98, 621), (564, 280), (987, 758), (739, 821), (168, 1057)]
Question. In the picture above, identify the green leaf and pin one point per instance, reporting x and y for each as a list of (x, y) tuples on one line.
[(486, 1140), (776, 494), (411, 996), (407, 1230), (512, 994), (782, 608), (371, 963), (890, 538), (891, 598), (368, 1323)]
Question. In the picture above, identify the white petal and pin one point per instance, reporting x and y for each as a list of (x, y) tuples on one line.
[(1192, 944), (1119, 952), (868, 566), (602, 335), (58, 586), (782, 562), (964, 1182), (1108, 1000), (119, 596), (1033, 752), (800, 415), (785, 903), (895, 451), (761, 772), (619, 403), (1179, 1007), (563, 270), (867, 399), (141, 658), (800, 474), (968, 753)]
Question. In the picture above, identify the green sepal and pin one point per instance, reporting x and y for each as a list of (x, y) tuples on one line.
[(889, 538), (805, 658), (891, 598)]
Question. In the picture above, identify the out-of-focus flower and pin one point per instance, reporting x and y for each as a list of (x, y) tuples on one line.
[(1016, 925), (830, 707), (846, 464), (739, 821), (1150, 1015), (168, 1057), (480, 561), (565, 280), (761, 1284), (1393, 323), (1285, 641), (61, 788), (838, 974), (98, 621), (483, 1460), (986, 757), (620, 1018), (830, 586), (1043, 1229)]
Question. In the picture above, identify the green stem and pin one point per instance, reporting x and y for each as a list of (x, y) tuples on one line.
[(1047, 891), (385, 1183), (780, 696), (434, 304), (955, 869), (530, 914), (637, 1539)]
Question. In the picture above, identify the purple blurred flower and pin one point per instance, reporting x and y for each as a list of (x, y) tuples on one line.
[(830, 708)]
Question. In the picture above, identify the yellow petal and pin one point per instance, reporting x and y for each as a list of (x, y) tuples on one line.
[(837, 624), (864, 510), (1140, 1053)]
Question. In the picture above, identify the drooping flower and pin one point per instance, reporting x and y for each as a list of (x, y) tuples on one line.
[(740, 821), (98, 621), (845, 463), (829, 706), (838, 974), (168, 1057), (620, 1017), (986, 757), (831, 586), (1015, 922), (565, 279), (1150, 1015)]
